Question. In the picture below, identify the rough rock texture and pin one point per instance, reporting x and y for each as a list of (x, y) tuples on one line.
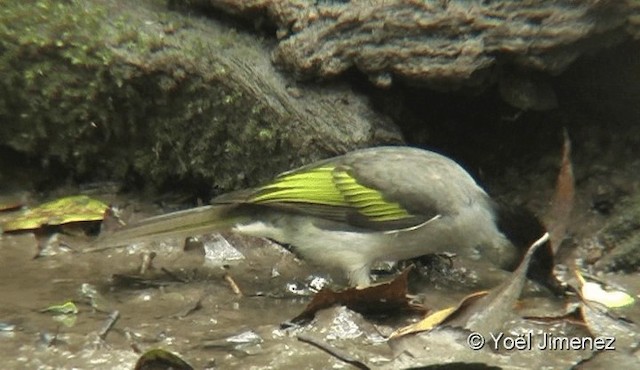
[(621, 238), (441, 44), (107, 89)]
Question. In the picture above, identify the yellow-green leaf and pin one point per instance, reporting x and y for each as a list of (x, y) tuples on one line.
[(425, 324), (437, 318), (611, 298), (67, 308), (61, 211)]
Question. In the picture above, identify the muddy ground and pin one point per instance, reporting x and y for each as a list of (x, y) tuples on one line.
[(185, 302)]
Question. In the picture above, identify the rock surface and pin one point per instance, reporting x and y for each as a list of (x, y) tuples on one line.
[(445, 45), (115, 89)]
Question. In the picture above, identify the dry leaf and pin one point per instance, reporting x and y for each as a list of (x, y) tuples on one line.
[(482, 312), (381, 298), (559, 215), (438, 317)]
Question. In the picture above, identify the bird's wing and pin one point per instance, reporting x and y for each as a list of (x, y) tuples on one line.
[(329, 190), (423, 182)]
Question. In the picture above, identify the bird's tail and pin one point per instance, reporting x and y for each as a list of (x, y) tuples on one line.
[(179, 224)]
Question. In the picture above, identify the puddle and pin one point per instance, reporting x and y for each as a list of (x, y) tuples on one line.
[(186, 303)]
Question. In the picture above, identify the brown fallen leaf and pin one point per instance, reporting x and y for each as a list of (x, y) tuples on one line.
[(482, 312), (573, 317), (438, 317), (558, 216), (376, 299)]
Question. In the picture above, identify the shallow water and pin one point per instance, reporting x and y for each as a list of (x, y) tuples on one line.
[(184, 303)]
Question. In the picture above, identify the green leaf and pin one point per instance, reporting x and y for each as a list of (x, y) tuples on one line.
[(62, 211), (67, 308)]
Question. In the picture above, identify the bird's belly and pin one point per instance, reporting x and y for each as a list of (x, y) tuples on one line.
[(346, 250), (469, 235)]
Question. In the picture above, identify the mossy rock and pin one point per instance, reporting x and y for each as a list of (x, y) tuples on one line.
[(115, 90)]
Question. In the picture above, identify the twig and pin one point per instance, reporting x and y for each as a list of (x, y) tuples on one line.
[(108, 325), (335, 352), (234, 287), (147, 261)]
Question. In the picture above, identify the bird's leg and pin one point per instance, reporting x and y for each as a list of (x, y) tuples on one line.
[(359, 276)]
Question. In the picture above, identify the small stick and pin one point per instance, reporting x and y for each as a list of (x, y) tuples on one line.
[(108, 325), (335, 352), (234, 287), (147, 261)]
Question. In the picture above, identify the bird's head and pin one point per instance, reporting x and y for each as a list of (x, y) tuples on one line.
[(523, 228)]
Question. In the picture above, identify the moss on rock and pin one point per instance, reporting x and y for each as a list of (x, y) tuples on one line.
[(104, 89)]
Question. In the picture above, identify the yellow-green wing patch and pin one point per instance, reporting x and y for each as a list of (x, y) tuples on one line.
[(57, 212), (330, 186), (314, 185), (369, 202)]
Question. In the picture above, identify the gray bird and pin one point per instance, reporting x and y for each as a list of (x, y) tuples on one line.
[(377, 204)]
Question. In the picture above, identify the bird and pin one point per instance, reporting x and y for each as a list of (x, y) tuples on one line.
[(348, 212)]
